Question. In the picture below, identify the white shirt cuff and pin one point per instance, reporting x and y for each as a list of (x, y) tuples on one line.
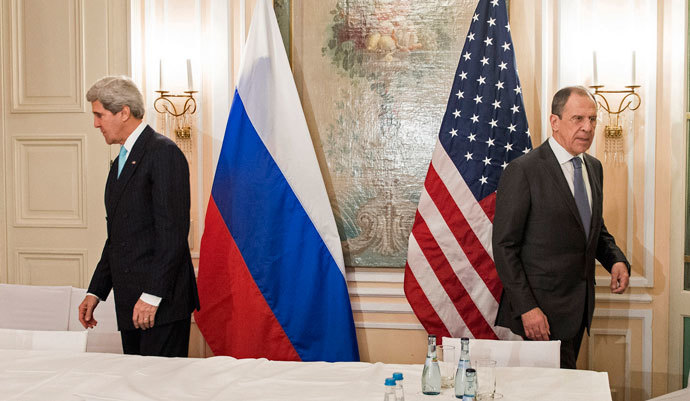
[(150, 299), (94, 295)]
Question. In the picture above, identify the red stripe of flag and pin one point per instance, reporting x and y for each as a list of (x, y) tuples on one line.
[(422, 308), (489, 206), (451, 284), (246, 329), (466, 238)]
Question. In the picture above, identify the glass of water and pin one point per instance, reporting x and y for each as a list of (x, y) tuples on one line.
[(447, 362), (486, 379)]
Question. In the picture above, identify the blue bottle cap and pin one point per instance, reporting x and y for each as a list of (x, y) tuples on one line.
[(398, 376), (390, 381)]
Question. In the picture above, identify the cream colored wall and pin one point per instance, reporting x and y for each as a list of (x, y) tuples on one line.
[(54, 163), (673, 144)]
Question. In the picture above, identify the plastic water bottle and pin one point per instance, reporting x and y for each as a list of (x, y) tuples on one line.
[(463, 365), (470, 385), (390, 390), (431, 375), (399, 390)]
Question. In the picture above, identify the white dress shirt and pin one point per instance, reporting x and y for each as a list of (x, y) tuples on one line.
[(129, 142)]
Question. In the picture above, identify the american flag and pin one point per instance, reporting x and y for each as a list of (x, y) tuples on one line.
[(450, 278)]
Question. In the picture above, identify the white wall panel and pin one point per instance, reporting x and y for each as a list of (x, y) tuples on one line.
[(49, 179), (645, 317), (601, 343), (47, 56), (50, 267)]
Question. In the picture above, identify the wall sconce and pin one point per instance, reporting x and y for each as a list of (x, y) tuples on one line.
[(164, 104), (178, 125), (613, 131)]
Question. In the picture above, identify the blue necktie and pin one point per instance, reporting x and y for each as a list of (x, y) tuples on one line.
[(121, 160), (581, 194)]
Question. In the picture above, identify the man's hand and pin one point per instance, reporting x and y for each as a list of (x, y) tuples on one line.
[(144, 315), (536, 325), (619, 278), (86, 311)]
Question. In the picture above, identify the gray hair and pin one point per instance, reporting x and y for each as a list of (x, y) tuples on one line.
[(561, 98), (115, 92)]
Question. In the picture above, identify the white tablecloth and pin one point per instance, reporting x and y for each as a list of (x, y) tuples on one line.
[(57, 376)]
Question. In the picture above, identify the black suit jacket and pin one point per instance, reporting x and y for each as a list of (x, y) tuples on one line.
[(147, 212), (542, 255)]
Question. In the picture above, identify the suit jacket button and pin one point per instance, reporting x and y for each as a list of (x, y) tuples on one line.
[(126, 270)]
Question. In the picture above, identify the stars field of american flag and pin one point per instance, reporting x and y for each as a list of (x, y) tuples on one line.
[(450, 278)]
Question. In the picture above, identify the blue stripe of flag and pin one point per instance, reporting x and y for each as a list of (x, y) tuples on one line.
[(284, 252)]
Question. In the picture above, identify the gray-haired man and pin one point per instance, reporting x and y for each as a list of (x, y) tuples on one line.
[(549, 229), (146, 259)]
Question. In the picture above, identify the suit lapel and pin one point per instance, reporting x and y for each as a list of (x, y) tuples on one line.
[(556, 174), (109, 186), (133, 161)]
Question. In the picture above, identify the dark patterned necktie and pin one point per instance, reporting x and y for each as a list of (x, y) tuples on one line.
[(581, 194)]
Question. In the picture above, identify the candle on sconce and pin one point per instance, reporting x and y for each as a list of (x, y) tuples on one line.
[(189, 75), (633, 68), (160, 74), (595, 78)]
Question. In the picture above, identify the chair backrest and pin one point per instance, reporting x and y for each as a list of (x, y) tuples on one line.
[(33, 307), (104, 337), (50, 340), (545, 354)]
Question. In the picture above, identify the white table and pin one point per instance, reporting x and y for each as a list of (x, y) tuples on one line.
[(48, 375)]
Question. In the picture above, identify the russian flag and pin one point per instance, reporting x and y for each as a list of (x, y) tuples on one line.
[(271, 273)]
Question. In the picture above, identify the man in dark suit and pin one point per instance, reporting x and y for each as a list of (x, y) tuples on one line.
[(146, 259), (548, 229)]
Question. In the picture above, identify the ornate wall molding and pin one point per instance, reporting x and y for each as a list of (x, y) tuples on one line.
[(624, 298), (382, 307), (389, 325), (375, 276)]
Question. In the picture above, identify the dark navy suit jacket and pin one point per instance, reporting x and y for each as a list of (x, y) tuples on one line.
[(147, 212), (542, 255)]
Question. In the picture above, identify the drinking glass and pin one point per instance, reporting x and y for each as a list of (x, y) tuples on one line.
[(446, 362), (486, 379)]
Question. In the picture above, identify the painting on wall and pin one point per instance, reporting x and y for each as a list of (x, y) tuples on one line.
[(374, 77), (283, 12)]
